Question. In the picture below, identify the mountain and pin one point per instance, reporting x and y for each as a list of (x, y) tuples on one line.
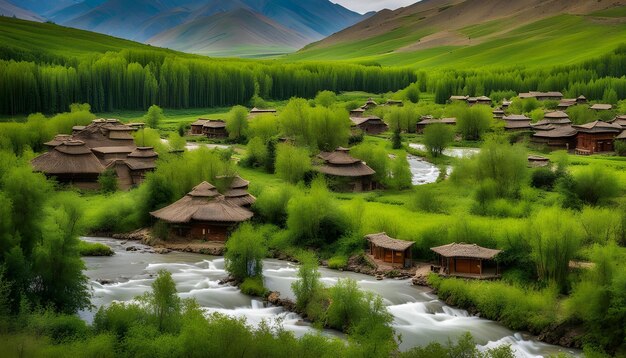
[(41, 7), (10, 10), (238, 32), (161, 21), (469, 32)]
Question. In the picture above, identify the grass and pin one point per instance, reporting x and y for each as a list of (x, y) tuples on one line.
[(94, 249), (563, 39)]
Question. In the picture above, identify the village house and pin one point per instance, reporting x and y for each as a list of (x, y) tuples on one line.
[(106, 133), (370, 104), (257, 112), (601, 107), (596, 137), (506, 104), (383, 248), (467, 261), (542, 96), (237, 192), (498, 113), (203, 214), (357, 113), (72, 163), (620, 120), (393, 102), (58, 140), (346, 172), (370, 124), (516, 122), (484, 100), (555, 131), (568, 102), (197, 126), (211, 128), (428, 120)]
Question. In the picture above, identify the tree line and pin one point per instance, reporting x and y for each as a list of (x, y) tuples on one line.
[(133, 79)]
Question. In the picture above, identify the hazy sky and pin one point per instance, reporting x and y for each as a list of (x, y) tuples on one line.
[(364, 6)]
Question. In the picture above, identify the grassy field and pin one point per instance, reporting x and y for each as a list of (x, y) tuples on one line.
[(564, 39)]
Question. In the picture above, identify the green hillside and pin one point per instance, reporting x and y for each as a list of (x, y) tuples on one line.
[(31, 36), (563, 39)]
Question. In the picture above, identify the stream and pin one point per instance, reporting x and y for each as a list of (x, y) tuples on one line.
[(424, 172), (419, 316)]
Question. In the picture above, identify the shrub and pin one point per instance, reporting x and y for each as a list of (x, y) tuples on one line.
[(325, 98), (338, 262), (543, 178), (59, 327), (245, 252), (292, 163), (108, 181), (272, 204), (473, 121), (437, 137), (94, 249), (154, 116), (595, 184), (425, 198), (253, 286), (308, 283), (256, 153), (237, 123)]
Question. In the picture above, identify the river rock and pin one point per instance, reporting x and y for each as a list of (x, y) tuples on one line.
[(132, 248), (161, 250), (420, 281), (104, 281)]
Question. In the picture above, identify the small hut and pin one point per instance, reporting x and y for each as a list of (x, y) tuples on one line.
[(506, 104), (348, 173), (370, 124), (215, 128), (203, 214), (467, 260), (426, 121), (596, 137), (484, 100), (238, 191), (389, 250), (357, 113), (257, 112), (555, 131), (197, 126), (141, 161), (71, 162), (516, 122), (498, 113), (370, 104), (581, 99)]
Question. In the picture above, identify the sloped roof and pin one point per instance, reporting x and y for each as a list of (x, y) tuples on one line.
[(621, 135), (516, 117), (360, 120), (552, 131), (555, 114), (258, 110), (70, 157), (620, 120), (204, 190), (602, 107), (437, 120), (215, 123), (143, 152), (199, 122), (113, 150), (58, 139), (384, 241), (358, 110), (466, 250), (194, 207), (599, 127), (459, 98), (338, 157)]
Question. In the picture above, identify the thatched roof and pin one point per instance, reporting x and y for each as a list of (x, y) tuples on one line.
[(360, 120), (70, 157), (533, 94), (459, 98), (113, 150), (516, 117), (386, 242), (466, 250), (555, 131), (201, 204), (340, 163), (431, 120), (258, 110), (601, 107), (214, 123), (58, 139), (483, 99), (620, 120), (106, 133), (199, 122), (621, 135), (143, 152), (238, 191), (599, 127)]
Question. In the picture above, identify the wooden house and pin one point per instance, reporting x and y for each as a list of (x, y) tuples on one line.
[(555, 131), (346, 172), (498, 113), (215, 128), (357, 113), (78, 129), (370, 124), (426, 121), (506, 104), (370, 104), (516, 122), (620, 120), (197, 127), (581, 99), (596, 137), (141, 161), (389, 250), (258, 111), (484, 100), (566, 103), (70, 162), (542, 96), (467, 260), (203, 214)]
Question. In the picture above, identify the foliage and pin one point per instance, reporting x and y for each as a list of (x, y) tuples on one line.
[(108, 181), (245, 252), (292, 163), (401, 177), (581, 114), (94, 249), (237, 123), (154, 116), (596, 184), (272, 203), (264, 126), (338, 262), (437, 137), (253, 286), (554, 238), (176, 142), (256, 153), (464, 347), (325, 98), (163, 302), (376, 158), (620, 147), (314, 218), (473, 122), (396, 139), (412, 93), (543, 178), (425, 198), (308, 283)]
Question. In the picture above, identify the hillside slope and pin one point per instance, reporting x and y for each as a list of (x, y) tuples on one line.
[(484, 32), (238, 32)]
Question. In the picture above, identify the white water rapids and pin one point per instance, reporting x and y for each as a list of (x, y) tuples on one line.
[(419, 316)]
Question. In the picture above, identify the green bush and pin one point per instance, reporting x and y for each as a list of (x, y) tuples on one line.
[(338, 262), (108, 181), (253, 286), (94, 249), (620, 147), (59, 327), (245, 251), (543, 178), (425, 198)]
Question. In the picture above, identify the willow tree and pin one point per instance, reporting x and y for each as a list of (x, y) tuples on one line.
[(237, 123), (245, 252)]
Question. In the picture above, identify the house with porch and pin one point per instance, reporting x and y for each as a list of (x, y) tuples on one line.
[(389, 250), (596, 137), (467, 261)]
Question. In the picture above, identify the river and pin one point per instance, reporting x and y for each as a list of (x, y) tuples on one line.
[(419, 316)]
